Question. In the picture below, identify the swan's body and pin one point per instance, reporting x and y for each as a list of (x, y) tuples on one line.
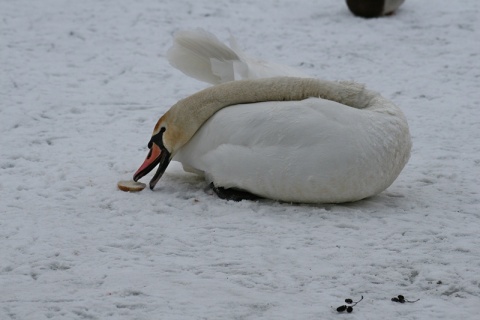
[(327, 143), (313, 150)]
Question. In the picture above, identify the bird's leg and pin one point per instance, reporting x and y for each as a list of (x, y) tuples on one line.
[(233, 194)]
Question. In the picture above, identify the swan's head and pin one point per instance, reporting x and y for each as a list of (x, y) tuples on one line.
[(166, 139)]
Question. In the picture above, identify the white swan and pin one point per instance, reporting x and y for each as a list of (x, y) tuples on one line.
[(284, 138)]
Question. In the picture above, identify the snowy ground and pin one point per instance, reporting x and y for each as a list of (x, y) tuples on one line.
[(83, 82)]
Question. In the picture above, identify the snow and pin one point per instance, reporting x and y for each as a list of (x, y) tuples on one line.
[(82, 84)]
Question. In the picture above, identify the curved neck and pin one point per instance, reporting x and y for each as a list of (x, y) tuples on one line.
[(190, 113)]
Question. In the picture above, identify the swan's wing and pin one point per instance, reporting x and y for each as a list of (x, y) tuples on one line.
[(200, 55)]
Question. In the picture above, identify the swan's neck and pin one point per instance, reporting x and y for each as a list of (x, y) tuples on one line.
[(190, 113)]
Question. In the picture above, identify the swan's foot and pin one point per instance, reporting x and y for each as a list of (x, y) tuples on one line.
[(233, 194)]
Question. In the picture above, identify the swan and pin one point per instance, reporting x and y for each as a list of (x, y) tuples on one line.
[(279, 135)]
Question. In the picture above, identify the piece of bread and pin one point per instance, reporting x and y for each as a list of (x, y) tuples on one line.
[(130, 186)]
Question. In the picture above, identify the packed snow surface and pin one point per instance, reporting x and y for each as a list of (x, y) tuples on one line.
[(82, 84)]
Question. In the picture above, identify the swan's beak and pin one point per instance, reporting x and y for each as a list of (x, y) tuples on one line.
[(156, 156)]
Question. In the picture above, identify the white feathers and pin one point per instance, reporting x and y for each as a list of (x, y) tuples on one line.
[(200, 55), (309, 151)]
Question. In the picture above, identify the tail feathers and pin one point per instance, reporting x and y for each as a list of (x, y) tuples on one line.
[(200, 55)]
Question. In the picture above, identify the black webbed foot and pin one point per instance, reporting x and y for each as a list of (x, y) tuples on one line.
[(233, 194)]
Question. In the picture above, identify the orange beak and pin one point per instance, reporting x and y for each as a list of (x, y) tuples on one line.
[(156, 156)]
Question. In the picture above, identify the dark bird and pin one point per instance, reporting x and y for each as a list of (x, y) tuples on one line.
[(373, 8)]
